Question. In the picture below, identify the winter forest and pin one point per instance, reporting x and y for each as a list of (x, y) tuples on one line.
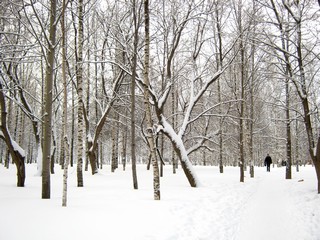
[(88, 84)]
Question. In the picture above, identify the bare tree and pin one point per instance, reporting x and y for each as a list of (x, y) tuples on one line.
[(151, 131), (79, 75), (16, 152), (64, 142), (47, 130), (133, 92), (296, 11)]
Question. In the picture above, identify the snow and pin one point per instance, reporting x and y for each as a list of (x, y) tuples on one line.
[(15, 145), (177, 139), (39, 161), (17, 148), (107, 207)]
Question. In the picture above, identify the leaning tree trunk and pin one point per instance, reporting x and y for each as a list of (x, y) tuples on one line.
[(15, 151), (181, 152), (185, 163)]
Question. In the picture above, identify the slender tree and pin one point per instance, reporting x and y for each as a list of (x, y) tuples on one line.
[(150, 127), (64, 142), (47, 127), (79, 75), (133, 94)]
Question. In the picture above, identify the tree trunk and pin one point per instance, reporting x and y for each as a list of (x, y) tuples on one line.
[(174, 118), (114, 149), (181, 152), (253, 74), (185, 164), (64, 157), (79, 72), (17, 155), (297, 143), (317, 163), (242, 100), (124, 149), (47, 130), (219, 66), (150, 129), (288, 131)]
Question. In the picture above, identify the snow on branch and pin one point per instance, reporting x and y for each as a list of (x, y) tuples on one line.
[(15, 145)]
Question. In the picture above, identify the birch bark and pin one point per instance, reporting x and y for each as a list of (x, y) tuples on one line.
[(79, 73)]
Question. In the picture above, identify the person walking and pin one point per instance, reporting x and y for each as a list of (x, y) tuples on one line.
[(267, 162)]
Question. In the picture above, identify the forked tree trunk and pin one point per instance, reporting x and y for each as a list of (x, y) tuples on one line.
[(16, 155)]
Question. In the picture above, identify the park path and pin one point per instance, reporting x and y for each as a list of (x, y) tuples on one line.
[(268, 215)]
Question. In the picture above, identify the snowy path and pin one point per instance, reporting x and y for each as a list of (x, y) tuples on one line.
[(269, 213), (222, 208)]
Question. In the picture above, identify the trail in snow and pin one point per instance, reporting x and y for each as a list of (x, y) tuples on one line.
[(264, 207), (270, 212)]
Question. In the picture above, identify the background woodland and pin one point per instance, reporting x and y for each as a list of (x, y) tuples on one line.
[(88, 83)]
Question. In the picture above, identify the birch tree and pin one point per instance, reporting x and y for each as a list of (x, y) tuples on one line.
[(64, 142), (79, 76)]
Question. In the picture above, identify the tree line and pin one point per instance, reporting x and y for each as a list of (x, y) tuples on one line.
[(158, 82)]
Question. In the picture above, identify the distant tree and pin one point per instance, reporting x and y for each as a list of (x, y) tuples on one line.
[(133, 91)]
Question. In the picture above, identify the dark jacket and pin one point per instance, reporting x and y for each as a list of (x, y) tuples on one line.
[(268, 160)]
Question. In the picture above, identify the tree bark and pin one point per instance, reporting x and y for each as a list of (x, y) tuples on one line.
[(47, 129), (317, 163), (133, 99), (288, 132), (79, 73), (64, 159), (242, 100), (150, 128), (17, 156)]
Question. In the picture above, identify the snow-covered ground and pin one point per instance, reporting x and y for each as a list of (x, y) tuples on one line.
[(107, 207)]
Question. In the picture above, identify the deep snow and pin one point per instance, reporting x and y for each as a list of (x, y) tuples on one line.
[(107, 207)]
